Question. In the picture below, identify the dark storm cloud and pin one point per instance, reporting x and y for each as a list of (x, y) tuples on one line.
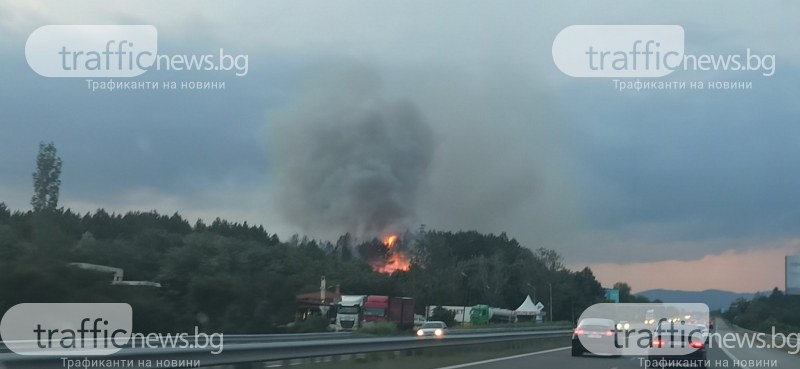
[(172, 142), (554, 161), (692, 173), (347, 160)]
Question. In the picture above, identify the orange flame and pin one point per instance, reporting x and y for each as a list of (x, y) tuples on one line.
[(390, 241), (397, 260)]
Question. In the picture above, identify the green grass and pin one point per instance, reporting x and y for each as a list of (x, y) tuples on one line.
[(378, 329)]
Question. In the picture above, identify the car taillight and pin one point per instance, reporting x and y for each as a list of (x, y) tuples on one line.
[(697, 345), (609, 333), (579, 332), (657, 343)]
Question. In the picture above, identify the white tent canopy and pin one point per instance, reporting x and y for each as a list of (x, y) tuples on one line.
[(528, 307)]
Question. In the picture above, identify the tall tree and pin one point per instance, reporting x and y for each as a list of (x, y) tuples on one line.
[(624, 292), (551, 259), (46, 178)]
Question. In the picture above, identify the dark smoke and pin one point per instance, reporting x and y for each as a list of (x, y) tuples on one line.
[(347, 160)]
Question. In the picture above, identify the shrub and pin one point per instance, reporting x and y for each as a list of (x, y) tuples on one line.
[(443, 315), (314, 323), (379, 329)]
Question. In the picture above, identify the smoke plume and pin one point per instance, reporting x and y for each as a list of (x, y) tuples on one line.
[(346, 159)]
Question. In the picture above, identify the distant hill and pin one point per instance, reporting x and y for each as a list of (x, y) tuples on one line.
[(715, 299)]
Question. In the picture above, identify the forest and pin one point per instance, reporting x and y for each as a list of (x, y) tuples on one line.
[(240, 278)]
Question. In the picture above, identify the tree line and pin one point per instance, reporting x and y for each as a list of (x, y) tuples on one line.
[(235, 277), (240, 278), (766, 311)]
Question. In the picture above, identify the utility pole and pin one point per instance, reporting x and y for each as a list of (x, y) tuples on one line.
[(534, 292), (322, 290), (466, 300), (551, 301)]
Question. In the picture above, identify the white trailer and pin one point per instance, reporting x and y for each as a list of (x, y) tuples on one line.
[(459, 312)]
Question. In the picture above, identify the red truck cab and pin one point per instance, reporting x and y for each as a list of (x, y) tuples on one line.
[(376, 308)]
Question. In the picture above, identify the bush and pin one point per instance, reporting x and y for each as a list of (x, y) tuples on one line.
[(379, 329), (314, 323), (443, 315)]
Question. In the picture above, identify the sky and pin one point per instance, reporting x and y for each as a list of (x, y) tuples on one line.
[(378, 116)]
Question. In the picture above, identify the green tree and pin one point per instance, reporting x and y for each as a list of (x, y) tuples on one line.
[(625, 295), (551, 259), (624, 291), (443, 315), (46, 178)]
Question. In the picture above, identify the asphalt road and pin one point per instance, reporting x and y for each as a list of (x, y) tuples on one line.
[(718, 357)]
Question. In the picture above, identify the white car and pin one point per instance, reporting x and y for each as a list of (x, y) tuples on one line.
[(433, 328)]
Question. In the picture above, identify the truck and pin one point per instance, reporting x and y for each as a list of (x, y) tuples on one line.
[(484, 314), (349, 312), (398, 310)]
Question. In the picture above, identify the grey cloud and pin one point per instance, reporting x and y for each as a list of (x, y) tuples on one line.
[(344, 159), (554, 161)]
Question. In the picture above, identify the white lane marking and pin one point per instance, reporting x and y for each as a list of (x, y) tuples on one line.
[(504, 358), (731, 356), (722, 347)]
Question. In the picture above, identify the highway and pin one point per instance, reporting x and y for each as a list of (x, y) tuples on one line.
[(561, 358), (266, 347)]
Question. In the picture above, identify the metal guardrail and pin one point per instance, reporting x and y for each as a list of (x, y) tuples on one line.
[(505, 330), (284, 337), (275, 351), (245, 338), (252, 338)]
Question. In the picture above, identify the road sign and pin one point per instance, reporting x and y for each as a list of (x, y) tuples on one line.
[(612, 295), (793, 275), (539, 306)]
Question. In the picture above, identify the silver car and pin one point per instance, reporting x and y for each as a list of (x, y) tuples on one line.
[(433, 328)]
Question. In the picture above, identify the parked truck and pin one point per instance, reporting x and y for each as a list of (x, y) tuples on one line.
[(349, 312), (398, 310)]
